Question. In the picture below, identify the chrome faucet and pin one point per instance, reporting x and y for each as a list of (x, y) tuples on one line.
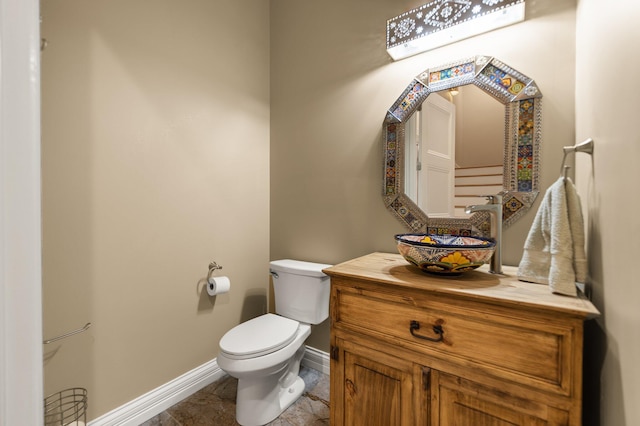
[(494, 207)]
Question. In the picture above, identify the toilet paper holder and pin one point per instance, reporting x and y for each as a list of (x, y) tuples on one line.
[(213, 266)]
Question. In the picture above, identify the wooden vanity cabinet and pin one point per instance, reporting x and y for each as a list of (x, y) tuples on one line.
[(409, 348)]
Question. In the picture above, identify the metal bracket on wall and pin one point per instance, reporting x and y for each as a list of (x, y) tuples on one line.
[(69, 334)]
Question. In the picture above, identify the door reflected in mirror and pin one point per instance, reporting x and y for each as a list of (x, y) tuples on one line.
[(454, 151)]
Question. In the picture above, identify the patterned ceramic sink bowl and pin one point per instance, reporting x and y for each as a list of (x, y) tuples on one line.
[(445, 254)]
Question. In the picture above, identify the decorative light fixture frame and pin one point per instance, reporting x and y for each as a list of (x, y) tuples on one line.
[(441, 22)]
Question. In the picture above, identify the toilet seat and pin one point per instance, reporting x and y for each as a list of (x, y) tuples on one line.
[(258, 336)]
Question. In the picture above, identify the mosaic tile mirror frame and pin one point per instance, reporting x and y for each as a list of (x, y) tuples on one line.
[(523, 129)]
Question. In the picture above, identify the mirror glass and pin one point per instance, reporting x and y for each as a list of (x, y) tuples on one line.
[(473, 122), (457, 132)]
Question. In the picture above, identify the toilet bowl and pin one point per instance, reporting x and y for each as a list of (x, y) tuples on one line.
[(267, 383), (264, 353)]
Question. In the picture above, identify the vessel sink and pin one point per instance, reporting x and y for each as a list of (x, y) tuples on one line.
[(445, 254)]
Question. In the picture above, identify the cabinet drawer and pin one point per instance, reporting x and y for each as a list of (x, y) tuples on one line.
[(505, 345)]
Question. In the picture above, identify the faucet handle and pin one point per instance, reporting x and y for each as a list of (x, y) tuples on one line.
[(493, 198)]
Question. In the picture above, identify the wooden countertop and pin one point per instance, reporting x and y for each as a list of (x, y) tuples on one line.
[(480, 285)]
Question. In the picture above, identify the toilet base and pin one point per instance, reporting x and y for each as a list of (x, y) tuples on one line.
[(263, 399), (260, 415)]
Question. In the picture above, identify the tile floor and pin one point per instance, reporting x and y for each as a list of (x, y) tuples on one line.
[(215, 405)]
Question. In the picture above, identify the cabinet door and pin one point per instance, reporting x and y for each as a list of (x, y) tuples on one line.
[(376, 389), (460, 402)]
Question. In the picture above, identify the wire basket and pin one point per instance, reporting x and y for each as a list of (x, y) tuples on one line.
[(66, 408)]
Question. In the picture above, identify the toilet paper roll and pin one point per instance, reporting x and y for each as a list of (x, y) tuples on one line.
[(218, 285)]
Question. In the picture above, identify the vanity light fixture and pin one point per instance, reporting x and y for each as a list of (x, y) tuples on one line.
[(441, 22)]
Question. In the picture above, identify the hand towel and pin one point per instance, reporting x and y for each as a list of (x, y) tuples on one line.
[(554, 249), (576, 222)]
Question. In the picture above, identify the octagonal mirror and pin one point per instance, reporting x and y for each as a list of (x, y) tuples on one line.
[(436, 146)]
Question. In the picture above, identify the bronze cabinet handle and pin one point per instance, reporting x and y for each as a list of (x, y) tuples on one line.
[(437, 329)]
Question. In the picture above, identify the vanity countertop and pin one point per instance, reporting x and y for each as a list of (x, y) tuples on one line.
[(479, 285)]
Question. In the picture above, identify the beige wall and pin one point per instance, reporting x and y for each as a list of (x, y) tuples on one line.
[(608, 183), (331, 84), (155, 162), (479, 128)]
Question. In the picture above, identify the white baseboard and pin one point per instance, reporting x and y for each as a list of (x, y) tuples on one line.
[(152, 403), (316, 359)]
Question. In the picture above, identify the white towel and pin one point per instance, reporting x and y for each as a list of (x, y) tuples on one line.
[(576, 222), (554, 249)]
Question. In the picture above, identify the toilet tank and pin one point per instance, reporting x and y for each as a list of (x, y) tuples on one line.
[(301, 290)]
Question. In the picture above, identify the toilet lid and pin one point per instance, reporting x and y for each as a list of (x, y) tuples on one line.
[(259, 336)]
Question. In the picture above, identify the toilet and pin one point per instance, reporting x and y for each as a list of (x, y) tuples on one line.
[(264, 353)]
